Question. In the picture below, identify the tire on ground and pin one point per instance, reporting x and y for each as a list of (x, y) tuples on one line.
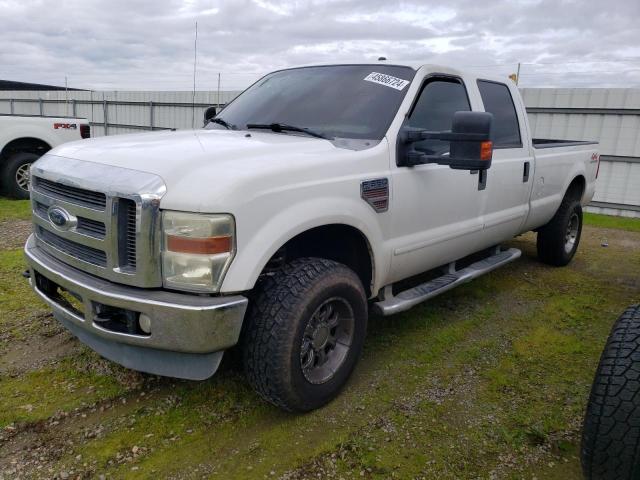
[(13, 170), (284, 310), (611, 431), (558, 240)]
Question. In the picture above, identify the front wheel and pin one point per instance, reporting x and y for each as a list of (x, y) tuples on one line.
[(558, 240), (304, 333), (15, 174)]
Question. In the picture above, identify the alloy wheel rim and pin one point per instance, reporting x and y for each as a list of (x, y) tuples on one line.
[(571, 234), (23, 176), (326, 340)]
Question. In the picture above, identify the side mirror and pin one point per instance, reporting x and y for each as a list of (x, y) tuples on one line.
[(209, 114), (470, 143)]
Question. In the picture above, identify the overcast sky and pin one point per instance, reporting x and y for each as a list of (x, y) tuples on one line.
[(149, 45)]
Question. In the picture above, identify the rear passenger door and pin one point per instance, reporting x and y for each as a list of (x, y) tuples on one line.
[(508, 181)]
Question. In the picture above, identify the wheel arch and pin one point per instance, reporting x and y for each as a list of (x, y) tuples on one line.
[(340, 242), (577, 187), (25, 144)]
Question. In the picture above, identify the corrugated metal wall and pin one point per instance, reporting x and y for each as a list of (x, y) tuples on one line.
[(610, 116), (126, 112)]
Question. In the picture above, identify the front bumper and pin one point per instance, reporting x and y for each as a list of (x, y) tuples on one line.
[(188, 332)]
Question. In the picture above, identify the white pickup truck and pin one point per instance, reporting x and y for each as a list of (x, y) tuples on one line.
[(295, 212), (25, 138)]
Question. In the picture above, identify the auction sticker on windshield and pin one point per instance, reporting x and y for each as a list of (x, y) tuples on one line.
[(386, 80)]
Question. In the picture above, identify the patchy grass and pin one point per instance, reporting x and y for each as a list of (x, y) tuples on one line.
[(21, 311), (14, 209), (38, 395), (490, 379), (14, 289), (609, 221)]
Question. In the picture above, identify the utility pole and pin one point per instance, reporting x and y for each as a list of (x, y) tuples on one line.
[(518, 74), (218, 99), (193, 98), (66, 94)]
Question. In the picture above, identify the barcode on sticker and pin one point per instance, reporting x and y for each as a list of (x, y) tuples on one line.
[(386, 80)]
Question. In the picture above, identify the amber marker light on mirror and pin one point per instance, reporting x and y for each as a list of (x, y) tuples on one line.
[(486, 150)]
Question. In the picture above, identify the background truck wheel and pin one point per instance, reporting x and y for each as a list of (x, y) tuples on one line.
[(304, 333), (558, 240), (15, 174), (611, 432)]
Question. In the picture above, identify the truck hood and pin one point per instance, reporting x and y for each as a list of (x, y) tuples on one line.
[(203, 169)]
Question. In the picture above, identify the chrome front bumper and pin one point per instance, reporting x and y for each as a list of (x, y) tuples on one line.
[(188, 332)]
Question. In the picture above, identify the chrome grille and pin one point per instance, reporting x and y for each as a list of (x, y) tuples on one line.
[(91, 227), (128, 236), (110, 218), (83, 252), (76, 195)]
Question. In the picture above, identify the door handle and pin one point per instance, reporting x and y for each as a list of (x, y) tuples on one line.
[(525, 173)]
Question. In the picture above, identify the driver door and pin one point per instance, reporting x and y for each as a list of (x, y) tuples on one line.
[(436, 211)]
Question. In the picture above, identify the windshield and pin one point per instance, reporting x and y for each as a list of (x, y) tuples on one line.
[(343, 101)]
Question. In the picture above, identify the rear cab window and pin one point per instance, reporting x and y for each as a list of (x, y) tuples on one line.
[(497, 100)]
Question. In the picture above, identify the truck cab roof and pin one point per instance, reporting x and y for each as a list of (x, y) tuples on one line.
[(416, 66)]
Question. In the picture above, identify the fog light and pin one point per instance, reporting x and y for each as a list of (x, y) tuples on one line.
[(145, 323)]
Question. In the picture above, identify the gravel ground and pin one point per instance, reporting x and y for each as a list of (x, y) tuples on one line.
[(14, 233)]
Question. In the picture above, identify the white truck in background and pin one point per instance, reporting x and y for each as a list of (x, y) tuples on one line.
[(317, 195), (25, 138)]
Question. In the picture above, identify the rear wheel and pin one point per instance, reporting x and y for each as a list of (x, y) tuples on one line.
[(304, 333), (558, 240), (15, 176)]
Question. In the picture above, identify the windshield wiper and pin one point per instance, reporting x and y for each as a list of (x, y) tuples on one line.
[(283, 127), (224, 123)]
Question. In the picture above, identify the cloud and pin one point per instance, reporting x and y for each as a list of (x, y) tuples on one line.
[(136, 44)]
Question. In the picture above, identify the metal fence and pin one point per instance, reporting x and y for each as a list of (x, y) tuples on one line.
[(609, 115), (117, 112)]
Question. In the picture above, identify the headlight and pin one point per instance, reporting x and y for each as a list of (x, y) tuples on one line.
[(197, 250)]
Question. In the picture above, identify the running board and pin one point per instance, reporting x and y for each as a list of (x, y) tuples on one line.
[(409, 298)]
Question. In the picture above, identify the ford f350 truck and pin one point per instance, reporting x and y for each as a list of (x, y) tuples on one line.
[(318, 195), (25, 138)]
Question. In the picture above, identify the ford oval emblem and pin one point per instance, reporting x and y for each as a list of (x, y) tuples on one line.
[(61, 219)]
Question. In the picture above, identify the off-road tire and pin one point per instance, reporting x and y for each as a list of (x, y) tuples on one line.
[(10, 167), (278, 314), (611, 432), (552, 237)]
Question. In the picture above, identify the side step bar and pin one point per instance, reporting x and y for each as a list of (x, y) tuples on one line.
[(405, 300)]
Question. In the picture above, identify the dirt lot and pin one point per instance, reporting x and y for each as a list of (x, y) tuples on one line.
[(487, 381)]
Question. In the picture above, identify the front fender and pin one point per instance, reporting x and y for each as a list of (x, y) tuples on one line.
[(257, 245)]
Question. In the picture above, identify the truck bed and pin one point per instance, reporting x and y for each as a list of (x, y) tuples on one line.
[(553, 143)]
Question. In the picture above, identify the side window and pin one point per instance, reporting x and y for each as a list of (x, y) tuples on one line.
[(497, 100), (434, 110)]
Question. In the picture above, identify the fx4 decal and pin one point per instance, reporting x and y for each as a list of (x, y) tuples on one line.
[(71, 126)]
